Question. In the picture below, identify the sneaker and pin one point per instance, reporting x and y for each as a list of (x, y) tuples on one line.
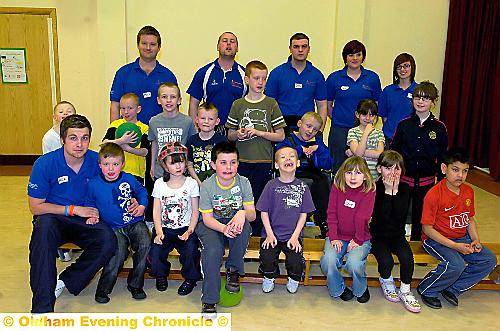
[(60, 286), (137, 293), (450, 297), (186, 287), (161, 284), (389, 290), (64, 256), (347, 294), (101, 297), (292, 285), (365, 297), (268, 285), (409, 301), (431, 302), (208, 310), (233, 281)]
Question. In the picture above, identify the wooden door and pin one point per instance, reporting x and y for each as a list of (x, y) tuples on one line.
[(26, 109)]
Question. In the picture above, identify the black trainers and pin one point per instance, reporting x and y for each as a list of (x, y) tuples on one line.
[(186, 287), (137, 293), (101, 297), (431, 302), (364, 297), (450, 297), (208, 310), (233, 281), (347, 294), (161, 284)]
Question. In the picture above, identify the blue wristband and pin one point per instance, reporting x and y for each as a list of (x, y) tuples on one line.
[(66, 210)]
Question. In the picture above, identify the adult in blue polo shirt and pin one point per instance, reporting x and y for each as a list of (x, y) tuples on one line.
[(56, 195), (220, 82), (142, 77), (345, 89), (395, 102), (297, 85)]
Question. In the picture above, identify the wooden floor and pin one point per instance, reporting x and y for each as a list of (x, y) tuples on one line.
[(310, 308)]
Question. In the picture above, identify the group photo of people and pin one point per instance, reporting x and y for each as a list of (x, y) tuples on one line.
[(251, 159)]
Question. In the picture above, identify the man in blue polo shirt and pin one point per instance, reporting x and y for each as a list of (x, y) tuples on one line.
[(297, 85), (57, 192), (219, 82), (142, 77)]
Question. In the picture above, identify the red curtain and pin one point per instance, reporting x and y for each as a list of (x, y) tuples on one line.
[(470, 105)]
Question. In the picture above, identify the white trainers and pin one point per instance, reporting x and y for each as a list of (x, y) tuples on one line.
[(389, 289), (65, 256), (410, 302), (292, 285), (267, 285), (60, 286)]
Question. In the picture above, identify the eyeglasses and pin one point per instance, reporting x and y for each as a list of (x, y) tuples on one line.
[(421, 98), (405, 65)]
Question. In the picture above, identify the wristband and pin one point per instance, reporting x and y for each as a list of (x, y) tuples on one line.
[(71, 209), (66, 210)]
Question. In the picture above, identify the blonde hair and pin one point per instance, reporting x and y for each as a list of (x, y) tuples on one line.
[(63, 102), (352, 163), (131, 96), (313, 115)]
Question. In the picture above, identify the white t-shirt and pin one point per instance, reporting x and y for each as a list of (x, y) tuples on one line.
[(51, 141), (176, 206)]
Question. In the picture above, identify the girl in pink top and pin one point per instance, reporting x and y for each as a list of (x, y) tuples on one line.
[(349, 210)]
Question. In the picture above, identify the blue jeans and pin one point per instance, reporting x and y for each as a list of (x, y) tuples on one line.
[(331, 262), (456, 272)]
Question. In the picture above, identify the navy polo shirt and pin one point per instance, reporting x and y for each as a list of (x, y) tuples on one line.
[(395, 104), (132, 79), (53, 180), (294, 92), (347, 93), (212, 84)]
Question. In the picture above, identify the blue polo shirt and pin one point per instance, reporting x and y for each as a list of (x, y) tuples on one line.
[(212, 84), (296, 92), (395, 104), (132, 79), (347, 93), (53, 180)]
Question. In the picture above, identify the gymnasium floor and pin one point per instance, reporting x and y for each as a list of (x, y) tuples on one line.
[(310, 308)]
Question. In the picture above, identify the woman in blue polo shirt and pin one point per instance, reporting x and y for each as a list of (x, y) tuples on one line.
[(345, 88), (395, 102)]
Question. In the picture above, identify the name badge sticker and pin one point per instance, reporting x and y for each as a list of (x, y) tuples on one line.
[(62, 179), (350, 204), (298, 85), (409, 95), (344, 88), (146, 95), (235, 190)]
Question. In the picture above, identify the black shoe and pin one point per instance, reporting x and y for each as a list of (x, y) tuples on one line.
[(450, 297), (186, 287), (432, 302), (347, 294), (364, 297), (208, 310), (101, 297), (137, 293), (233, 281), (161, 284)]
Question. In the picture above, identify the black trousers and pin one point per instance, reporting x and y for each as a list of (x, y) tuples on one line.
[(269, 261), (320, 192), (383, 248), (417, 194), (50, 231)]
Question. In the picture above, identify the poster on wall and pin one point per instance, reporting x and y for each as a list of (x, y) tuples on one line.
[(13, 65)]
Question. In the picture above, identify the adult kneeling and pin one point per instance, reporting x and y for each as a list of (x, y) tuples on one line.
[(56, 194)]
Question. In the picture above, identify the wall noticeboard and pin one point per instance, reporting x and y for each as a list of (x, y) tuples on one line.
[(13, 65)]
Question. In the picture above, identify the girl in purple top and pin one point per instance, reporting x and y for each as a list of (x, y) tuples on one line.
[(349, 210)]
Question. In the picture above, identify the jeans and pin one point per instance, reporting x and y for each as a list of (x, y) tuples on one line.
[(136, 236), (212, 252), (456, 272), (49, 232), (331, 262)]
